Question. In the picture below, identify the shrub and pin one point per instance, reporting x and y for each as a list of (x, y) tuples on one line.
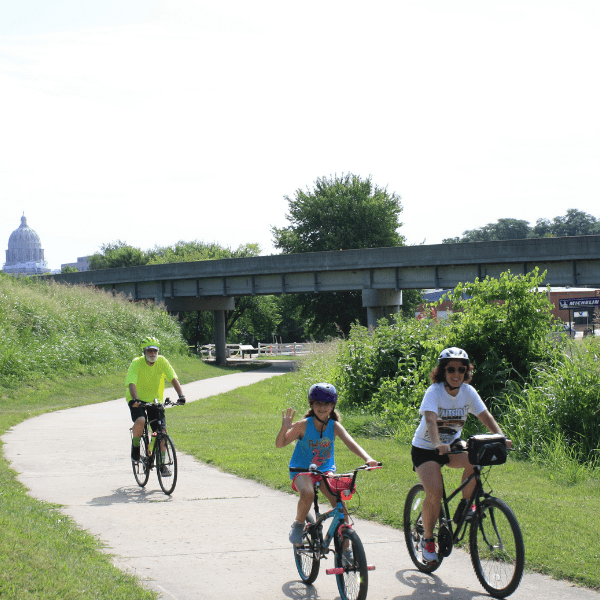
[(504, 325)]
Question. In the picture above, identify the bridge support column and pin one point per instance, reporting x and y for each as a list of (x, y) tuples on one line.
[(381, 304), (220, 337)]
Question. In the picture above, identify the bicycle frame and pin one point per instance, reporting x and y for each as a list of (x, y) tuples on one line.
[(337, 516), (474, 499)]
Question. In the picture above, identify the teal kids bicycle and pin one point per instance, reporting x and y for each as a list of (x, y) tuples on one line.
[(350, 563)]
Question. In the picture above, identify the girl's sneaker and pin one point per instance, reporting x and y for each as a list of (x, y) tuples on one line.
[(296, 533), (428, 548)]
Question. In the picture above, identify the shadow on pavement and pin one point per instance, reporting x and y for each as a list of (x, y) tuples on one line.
[(129, 495), (430, 586)]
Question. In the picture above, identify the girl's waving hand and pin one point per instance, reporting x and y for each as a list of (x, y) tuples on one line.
[(289, 431)]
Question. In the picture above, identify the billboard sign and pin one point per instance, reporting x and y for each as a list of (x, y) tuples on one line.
[(570, 303)]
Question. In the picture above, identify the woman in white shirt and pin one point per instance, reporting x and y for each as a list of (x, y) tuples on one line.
[(444, 409)]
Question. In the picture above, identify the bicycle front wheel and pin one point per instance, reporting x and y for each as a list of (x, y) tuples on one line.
[(141, 469), (414, 532), (166, 464), (308, 554), (497, 549), (350, 555)]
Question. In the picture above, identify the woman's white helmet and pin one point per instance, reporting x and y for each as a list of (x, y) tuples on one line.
[(453, 354)]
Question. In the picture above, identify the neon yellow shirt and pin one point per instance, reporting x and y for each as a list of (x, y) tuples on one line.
[(149, 380)]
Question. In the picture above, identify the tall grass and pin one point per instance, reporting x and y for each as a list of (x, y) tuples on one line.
[(50, 330), (554, 419)]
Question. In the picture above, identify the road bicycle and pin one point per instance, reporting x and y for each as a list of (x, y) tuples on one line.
[(495, 540), (350, 563), (157, 451)]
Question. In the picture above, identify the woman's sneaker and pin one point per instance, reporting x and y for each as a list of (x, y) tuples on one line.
[(296, 533), (428, 548)]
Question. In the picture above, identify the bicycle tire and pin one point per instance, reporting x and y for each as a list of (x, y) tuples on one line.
[(141, 469), (354, 581), (167, 484), (308, 555), (414, 530), (497, 549)]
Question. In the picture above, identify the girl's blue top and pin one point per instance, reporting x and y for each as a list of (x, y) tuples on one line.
[(315, 448)]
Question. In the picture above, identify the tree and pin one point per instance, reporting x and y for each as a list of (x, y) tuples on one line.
[(503, 229), (340, 213), (117, 254), (574, 222)]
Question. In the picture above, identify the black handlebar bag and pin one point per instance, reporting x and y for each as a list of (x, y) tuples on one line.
[(487, 449)]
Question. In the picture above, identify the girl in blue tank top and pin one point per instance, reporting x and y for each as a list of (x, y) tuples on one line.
[(315, 436)]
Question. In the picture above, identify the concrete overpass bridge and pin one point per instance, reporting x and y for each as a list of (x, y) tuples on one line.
[(380, 273)]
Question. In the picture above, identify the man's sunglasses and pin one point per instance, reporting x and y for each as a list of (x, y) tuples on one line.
[(461, 370)]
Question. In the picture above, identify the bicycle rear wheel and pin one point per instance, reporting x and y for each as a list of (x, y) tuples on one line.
[(354, 581), (414, 532), (166, 466), (141, 469), (497, 549), (308, 554)]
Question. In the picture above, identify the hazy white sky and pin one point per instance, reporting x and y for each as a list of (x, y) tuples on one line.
[(153, 122)]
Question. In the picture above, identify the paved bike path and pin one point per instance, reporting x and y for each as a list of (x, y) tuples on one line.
[(220, 537)]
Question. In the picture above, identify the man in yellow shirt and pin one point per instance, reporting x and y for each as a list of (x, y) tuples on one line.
[(145, 382)]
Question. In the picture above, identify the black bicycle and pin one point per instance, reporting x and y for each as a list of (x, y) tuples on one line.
[(351, 568), (495, 539), (157, 450)]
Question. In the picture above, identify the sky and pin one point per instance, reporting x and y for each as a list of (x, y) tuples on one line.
[(152, 122)]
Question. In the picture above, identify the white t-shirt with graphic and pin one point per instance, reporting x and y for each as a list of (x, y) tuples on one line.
[(452, 412)]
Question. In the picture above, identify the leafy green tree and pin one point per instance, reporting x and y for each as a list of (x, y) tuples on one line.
[(339, 213), (117, 254), (197, 250), (574, 222), (69, 269), (503, 229)]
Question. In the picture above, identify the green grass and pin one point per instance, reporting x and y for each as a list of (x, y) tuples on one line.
[(236, 432), (43, 554)]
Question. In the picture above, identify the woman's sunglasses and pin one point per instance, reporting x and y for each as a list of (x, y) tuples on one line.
[(461, 370)]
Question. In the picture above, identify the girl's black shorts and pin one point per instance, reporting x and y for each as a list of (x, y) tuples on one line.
[(420, 456)]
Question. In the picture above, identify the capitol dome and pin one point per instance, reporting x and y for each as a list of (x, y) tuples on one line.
[(25, 253)]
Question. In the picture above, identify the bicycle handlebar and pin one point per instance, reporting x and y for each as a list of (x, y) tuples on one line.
[(313, 469), (167, 402)]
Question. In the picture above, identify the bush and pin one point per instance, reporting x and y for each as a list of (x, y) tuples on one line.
[(504, 325), (385, 371)]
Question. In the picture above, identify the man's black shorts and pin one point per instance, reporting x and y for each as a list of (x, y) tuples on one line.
[(420, 456), (152, 411)]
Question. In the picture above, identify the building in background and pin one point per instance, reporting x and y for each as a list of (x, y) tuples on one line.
[(25, 255), (82, 264), (575, 320)]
